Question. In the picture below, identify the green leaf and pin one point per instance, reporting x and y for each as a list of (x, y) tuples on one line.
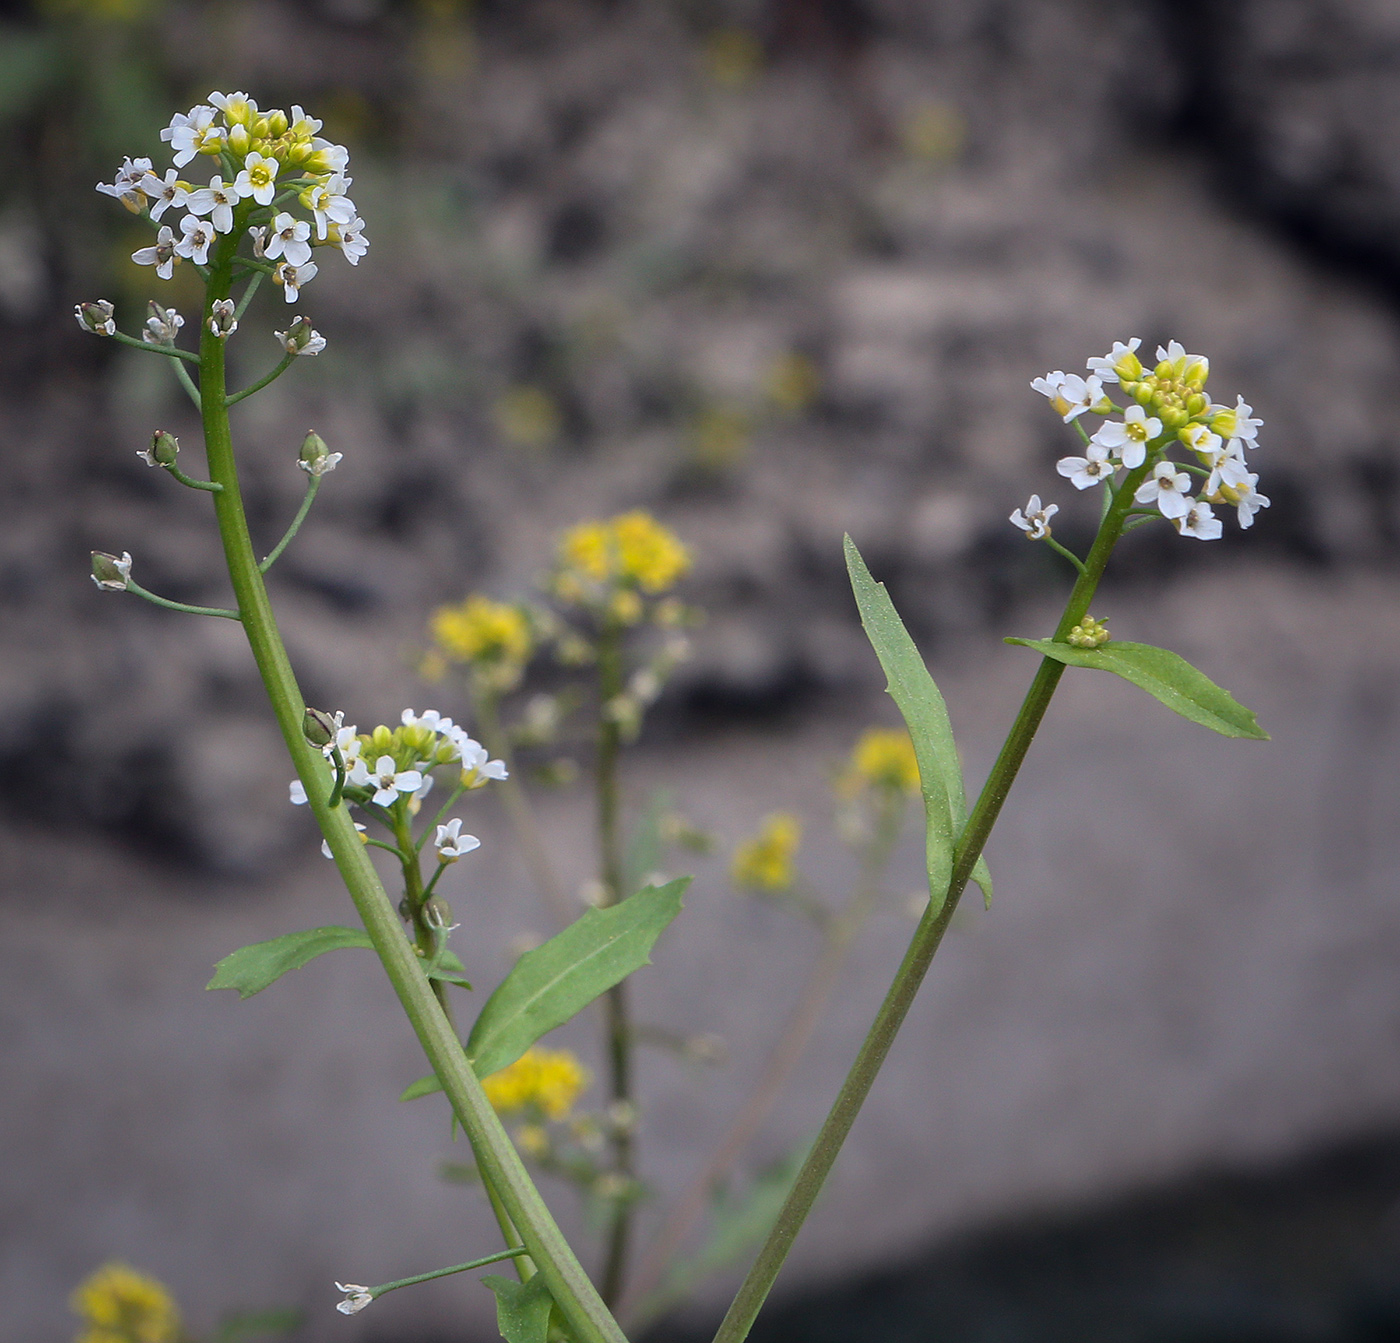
[(1165, 676), (925, 713), (251, 969), (522, 1308), (557, 980), (424, 1086)]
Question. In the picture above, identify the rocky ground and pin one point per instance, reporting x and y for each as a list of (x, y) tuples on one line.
[(775, 272)]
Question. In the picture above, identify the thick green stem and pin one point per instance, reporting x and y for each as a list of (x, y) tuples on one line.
[(618, 1025), (927, 938), (588, 1318)]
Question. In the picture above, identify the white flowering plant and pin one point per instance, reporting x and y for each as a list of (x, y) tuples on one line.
[(277, 194)]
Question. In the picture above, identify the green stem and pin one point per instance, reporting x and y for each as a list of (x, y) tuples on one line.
[(312, 485), (618, 1026), (1061, 550), (261, 382), (927, 938), (258, 274), (133, 586), (212, 486), (514, 1252), (170, 351), (187, 383), (588, 1318)]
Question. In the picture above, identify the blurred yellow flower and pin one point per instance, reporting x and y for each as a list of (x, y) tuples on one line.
[(794, 382), (120, 1305), (528, 417), (765, 863), (630, 550), (882, 758), (547, 1080), (480, 630)]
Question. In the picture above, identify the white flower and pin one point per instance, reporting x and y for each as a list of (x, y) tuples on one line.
[(127, 186), (164, 193), (1119, 363), (192, 131), (329, 204), (297, 789), (96, 317), (1201, 441), (1198, 521), (335, 157), (1237, 423), (1070, 394), (356, 1297), (1166, 487), (216, 200), (299, 338), (1035, 521), (351, 240), (326, 850), (299, 124), (1228, 470), (320, 466), (451, 845), (199, 234), (1232, 483), (1088, 470), (161, 256), (1128, 440), (163, 325), (258, 178), (386, 779), (236, 107), (288, 239), (477, 766), (115, 573), (222, 322), (291, 278), (430, 719)]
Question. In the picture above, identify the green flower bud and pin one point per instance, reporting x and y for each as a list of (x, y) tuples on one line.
[(164, 449), (318, 727), (1089, 633), (276, 123), (96, 317), (239, 140), (1196, 403), (110, 573), (313, 450)]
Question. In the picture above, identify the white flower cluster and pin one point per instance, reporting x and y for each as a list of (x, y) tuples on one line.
[(268, 162), (1170, 411), (403, 761)]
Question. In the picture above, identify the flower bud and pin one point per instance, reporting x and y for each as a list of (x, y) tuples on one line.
[(222, 322), (437, 913), (299, 338), (276, 123), (1089, 633), (163, 450), (239, 140), (314, 459), (96, 317), (318, 727), (110, 573), (162, 326), (262, 127), (1197, 403)]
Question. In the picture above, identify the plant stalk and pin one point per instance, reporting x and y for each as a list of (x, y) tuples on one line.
[(588, 1318), (753, 1291)]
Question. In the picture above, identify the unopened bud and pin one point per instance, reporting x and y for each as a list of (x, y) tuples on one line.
[(314, 459), (110, 573), (162, 326), (318, 727), (239, 140), (1089, 633), (222, 322), (96, 317), (276, 123), (299, 338), (164, 449)]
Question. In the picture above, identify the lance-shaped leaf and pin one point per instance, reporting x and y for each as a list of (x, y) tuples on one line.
[(926, 715), (554, 982), (251, 969), (1166, 676), (522, 1308)]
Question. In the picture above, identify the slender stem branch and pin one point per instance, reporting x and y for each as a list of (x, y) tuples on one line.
[(212, 486), (338, 791), (258, 274), (312, 485), (514, 1252), (618, 1028), (133, 586), (583, 1309), (437, 820), (926, 941), (191, 390), (262, 382), (170, 351), (1067, 553)]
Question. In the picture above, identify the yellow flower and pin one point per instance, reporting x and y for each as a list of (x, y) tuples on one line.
[(764, 863), (547, 1080), (480, 630), (632, 550), (120, 1305), (882, 758)]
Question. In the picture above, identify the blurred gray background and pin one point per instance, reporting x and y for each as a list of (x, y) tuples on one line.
[(774, 271)]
